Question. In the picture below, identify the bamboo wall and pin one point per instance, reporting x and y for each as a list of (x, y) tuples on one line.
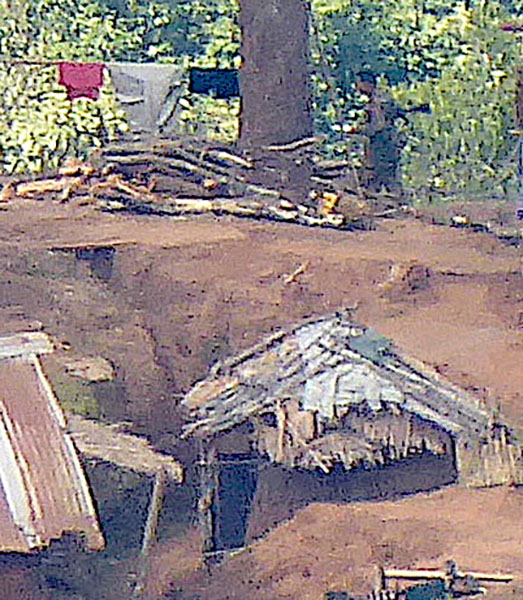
[(489, 462), (299, 438)]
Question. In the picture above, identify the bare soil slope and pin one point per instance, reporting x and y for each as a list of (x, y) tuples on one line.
[(177, 295), (335, 547), (162, 299)]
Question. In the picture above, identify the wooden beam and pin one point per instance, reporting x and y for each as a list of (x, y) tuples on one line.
[(150, 531), (443, 574)]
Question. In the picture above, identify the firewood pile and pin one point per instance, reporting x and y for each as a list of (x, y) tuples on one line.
[(183, 176)]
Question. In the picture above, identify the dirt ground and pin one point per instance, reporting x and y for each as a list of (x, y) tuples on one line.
[(176, 295), (333, 547), (162, 299)]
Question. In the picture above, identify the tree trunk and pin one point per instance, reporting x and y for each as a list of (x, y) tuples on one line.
[(275, 89), (274, 77)]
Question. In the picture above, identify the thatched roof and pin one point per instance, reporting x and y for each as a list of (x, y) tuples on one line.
[(106, 442), (332, 365)]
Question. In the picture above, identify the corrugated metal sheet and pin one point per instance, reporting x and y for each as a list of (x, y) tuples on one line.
[(43, 490)]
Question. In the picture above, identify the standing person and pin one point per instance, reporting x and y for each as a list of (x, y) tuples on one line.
[(384, 143)]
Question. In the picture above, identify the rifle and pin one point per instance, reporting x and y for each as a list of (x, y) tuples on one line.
[(401, 113)]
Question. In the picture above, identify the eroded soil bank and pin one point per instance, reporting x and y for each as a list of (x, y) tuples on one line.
[(162, 299)]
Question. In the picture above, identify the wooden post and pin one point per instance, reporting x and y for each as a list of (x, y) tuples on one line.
[(282, 421), (150, 531), (208, 484)]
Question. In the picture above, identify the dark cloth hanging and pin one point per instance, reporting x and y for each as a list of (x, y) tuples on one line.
[(82, 80), (221, 83)]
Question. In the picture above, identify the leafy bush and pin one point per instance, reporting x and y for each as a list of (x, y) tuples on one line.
[(38, 124), (444, 53), (464, 149), (450, 53), (219, 47)]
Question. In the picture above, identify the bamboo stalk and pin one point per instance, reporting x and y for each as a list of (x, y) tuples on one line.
[(442, 574)]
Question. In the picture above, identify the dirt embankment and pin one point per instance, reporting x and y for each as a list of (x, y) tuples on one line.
[(162, 299), (339, 547)]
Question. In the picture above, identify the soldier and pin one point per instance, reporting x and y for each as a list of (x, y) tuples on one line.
[(384, 141)]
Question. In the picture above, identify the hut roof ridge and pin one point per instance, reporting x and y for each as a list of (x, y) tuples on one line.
[(344, 354)]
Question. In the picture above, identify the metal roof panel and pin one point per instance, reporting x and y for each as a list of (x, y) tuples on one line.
[(41, 479)]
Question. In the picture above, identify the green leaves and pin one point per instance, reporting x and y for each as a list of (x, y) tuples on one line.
[(435, 51), (457, 60), (39, 125)]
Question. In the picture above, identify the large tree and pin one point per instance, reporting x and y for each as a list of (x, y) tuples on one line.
[(274, 76)]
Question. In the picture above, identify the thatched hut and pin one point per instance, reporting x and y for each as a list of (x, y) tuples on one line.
[(331, 396)]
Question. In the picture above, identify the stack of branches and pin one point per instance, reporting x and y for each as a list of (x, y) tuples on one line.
[(183, 175)]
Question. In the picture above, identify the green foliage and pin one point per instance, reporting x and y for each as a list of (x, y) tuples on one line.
[(456, 59), (435, 51), (464, 148), (219, 39), (39, 125)]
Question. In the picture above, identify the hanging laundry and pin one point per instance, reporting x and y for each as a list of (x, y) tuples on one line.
[(221, 83), (149, 94), (82, 80)]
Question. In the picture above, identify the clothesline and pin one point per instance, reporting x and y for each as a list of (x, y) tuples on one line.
[(85, 79), (38, 61), (148, 92)]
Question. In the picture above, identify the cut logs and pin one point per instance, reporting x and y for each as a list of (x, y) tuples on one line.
[(183, 176)]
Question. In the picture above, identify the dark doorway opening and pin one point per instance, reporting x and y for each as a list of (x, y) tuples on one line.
[(237, 482)]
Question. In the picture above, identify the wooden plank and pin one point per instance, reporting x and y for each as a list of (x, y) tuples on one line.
[(25, 344), (313, 453), (442, 574)]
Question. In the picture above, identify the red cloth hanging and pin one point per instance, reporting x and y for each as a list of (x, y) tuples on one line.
[(81, 79)]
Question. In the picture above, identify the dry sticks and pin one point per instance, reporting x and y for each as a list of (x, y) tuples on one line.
[(182, 176)]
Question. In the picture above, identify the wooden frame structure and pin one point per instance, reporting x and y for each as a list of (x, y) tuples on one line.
[(332, 392)]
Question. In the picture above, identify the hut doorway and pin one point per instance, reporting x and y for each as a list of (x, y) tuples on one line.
[(237, 480)]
